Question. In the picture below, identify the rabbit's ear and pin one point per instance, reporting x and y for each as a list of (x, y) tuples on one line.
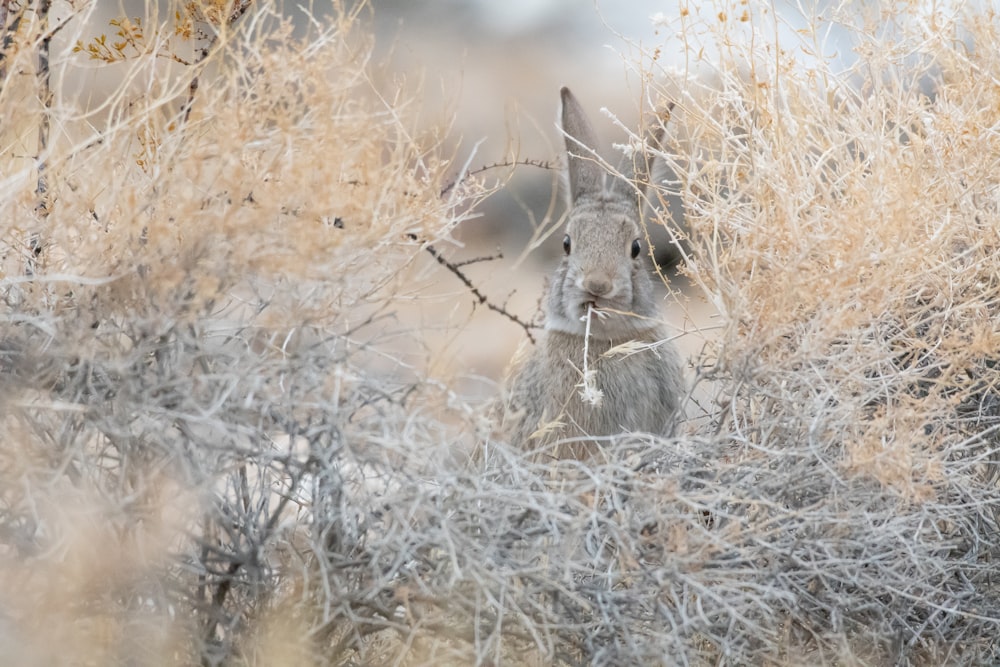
[(637, 168), (585, 175)]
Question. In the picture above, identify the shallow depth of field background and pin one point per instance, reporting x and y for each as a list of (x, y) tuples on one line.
[(499, 68), (496, 70)]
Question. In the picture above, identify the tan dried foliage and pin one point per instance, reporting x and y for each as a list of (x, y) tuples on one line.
[(844, 223), (222, 443)]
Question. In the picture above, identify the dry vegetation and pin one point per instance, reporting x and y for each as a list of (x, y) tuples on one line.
[(222, 443)]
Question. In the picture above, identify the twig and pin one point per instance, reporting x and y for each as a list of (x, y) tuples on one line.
[(252, 552), (589, 392), (8, 35), (541, 164), (44, 75), (477, 260), (479, 296), (239, 8)]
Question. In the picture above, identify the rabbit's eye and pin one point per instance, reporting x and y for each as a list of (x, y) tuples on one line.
[(636, 248), (566, 244)]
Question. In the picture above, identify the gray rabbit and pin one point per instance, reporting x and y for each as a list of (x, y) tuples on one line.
[(600, 298)]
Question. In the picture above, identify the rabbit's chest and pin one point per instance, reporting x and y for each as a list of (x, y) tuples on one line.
[(619, 392)]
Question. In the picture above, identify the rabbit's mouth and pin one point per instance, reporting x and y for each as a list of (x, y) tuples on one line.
[(596, 309), (598, 303), (589, 307)]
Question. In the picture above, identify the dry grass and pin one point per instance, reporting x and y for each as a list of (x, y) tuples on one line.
[(224, 443)]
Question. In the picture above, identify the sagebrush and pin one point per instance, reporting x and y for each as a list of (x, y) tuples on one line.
[(226, 440)]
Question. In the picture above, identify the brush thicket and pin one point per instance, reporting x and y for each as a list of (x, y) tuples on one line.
[(223, 443)]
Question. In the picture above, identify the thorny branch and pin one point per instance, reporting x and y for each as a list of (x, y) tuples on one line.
[(481, 298), (529, 162), (256, 541), (44, 76)]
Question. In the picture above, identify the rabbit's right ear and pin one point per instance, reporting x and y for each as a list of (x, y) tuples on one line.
[(637, 169), (585, 175)]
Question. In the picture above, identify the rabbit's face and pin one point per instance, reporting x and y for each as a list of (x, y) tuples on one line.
[(602, 268)]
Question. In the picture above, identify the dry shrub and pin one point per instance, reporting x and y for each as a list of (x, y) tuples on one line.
[(206, 300), (223, 446)]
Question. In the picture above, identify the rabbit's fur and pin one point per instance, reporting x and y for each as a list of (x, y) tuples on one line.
[(641, 383)]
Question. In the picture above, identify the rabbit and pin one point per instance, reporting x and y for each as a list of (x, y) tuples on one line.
[(601, 277)]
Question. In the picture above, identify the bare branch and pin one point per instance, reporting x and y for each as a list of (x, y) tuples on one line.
[(528, 162), (480, 298)]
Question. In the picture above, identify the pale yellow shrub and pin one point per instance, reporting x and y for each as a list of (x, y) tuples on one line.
[(223, 443)]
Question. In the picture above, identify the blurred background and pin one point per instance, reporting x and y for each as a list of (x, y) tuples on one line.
[(498, 67)]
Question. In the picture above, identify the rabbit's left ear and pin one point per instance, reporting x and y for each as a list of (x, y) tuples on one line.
[(586, 177)]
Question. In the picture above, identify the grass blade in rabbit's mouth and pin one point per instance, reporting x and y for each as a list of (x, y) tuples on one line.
[(592, 307), (599, 303), (587, 307)]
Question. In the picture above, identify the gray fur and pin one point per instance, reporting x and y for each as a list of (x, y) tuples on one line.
[(642, 390), (586, 177)]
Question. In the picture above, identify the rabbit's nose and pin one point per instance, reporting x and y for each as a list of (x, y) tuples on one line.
[(597, 286)]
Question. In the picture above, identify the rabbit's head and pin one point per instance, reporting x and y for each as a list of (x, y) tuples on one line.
[(604, 244)]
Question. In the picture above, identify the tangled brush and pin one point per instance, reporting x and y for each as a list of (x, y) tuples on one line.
[(224, 446)]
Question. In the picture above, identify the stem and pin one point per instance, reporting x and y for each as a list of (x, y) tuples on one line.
[(8, 35), (479, 296), (589, 393), (44, 75), (237, 9)]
